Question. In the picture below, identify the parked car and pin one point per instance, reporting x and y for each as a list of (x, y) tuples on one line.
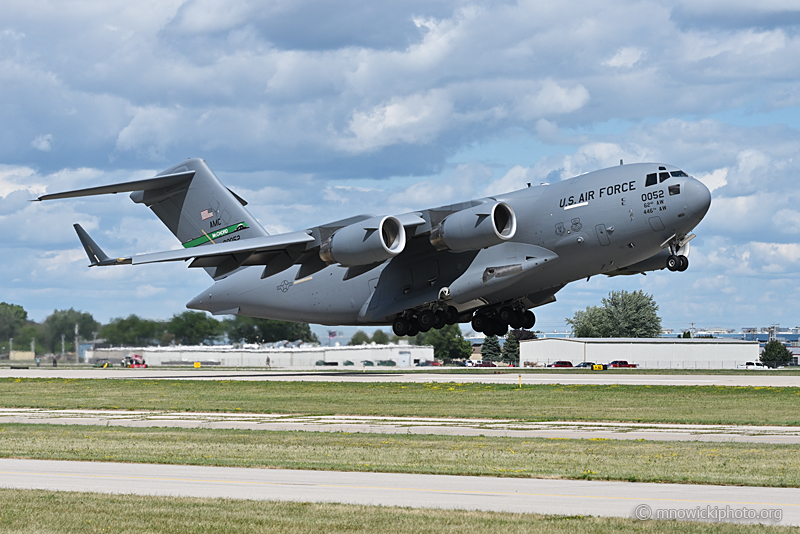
[(585, 364), (619, 364), (485, 364), (429, 363), (561, 363), (758, 366)]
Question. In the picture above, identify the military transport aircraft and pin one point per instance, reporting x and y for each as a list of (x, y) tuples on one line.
[(486, 261)]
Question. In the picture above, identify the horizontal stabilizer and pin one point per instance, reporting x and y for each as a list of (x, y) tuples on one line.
[(95, 253), (158, 182)]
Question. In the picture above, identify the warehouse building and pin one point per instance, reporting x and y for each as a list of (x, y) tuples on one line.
[(294, 357), (647, 353)]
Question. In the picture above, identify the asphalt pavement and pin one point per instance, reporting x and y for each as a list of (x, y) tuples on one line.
[(568, 497), (409, 425), (498, 376)]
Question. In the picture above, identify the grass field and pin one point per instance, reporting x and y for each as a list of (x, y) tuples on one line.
[(628, 403), (28, 511), (592, 459)]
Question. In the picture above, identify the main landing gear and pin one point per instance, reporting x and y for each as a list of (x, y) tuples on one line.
[(411, 325), (677, 263), (497, 322)]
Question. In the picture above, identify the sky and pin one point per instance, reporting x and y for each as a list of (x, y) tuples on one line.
[(315, 111)]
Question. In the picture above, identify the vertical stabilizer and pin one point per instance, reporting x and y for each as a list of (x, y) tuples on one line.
[(199, 209)]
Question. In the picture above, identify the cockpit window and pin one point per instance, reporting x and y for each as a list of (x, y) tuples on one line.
[(652, 179), (680, 174), (663, 176), (674, 190)]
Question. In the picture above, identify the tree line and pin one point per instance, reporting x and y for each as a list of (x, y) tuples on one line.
[(187, 328)]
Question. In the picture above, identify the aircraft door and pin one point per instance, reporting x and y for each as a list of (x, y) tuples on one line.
[(602, 234)]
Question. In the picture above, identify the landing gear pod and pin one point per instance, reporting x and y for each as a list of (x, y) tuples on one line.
[(476, 228), (371, 241)]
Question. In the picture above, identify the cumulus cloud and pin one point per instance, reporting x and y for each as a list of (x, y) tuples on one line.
[(42, 142), (311, 110), (625, 57)]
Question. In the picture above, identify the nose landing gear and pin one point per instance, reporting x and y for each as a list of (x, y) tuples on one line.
[(677, 263)]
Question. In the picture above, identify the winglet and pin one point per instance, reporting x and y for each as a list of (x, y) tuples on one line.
[(95, 253)]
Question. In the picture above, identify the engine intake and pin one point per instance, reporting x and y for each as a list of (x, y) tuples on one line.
[(370, 241), (475, 228)]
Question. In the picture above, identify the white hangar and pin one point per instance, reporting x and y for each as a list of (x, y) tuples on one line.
[(647, 353)]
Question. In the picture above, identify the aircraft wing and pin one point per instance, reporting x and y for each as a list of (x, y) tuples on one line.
[(256, 245)]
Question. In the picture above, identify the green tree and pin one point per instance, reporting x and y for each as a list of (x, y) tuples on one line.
[(193, 328), (775, 354), (490, 351), (622, 314), (133, 331), (380, 337), (31, 332), (63, 322), (12, 318), (359, 338), (511, 349), (256, 330), (448, 343)]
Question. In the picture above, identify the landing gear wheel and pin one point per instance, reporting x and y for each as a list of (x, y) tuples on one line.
[(452, 315), (413, 327), (439, 319), (400, 326), (501, 329), (517, 320), (506, 314), (491, 327), (425, 320), (683, 263), (673, 263), (479, 323), (530, 320)]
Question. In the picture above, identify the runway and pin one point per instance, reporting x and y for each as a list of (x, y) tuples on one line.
[(500, 376), (567, 497), (408, 425)]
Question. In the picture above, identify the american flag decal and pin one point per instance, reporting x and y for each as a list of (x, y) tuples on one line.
[(206, 214)]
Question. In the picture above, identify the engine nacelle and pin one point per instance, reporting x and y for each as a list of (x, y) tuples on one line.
[(366, 242), (476, 228)]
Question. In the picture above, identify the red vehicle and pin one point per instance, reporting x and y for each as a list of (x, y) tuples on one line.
[(135, 362), (561, 363), (485, 364), (618, 364)]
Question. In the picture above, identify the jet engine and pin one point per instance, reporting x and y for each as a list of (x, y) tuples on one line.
[(476, 228), (370, 241)]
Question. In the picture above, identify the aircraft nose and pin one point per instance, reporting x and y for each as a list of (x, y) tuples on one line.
[(698, 198)]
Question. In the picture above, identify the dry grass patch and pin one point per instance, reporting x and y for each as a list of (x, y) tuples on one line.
[(33, 511), (545, 402)]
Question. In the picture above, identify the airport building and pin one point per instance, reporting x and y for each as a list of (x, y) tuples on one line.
[(647, 353), (289, 357)]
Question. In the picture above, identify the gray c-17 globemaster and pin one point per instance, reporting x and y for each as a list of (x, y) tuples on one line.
[(487, 261)]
